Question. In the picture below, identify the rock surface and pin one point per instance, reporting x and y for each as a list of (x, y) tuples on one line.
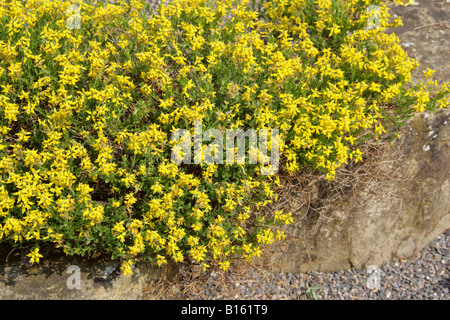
[(425, 36), (59, 277), (394, 204)]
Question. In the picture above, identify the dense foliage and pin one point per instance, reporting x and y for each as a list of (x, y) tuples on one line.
[(89, 102)]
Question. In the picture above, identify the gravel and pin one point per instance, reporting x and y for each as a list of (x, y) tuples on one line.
[(424, 277)]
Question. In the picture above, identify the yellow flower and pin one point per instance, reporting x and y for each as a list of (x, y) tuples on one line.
[(160, 260), (35, 255), (94, 214), (334, 30), (224, 265), (130, 200), (157, 188), (127, 267), (192, 241), (138, 245), (118, 227), (129, 180), (115, 204), (198, 253)]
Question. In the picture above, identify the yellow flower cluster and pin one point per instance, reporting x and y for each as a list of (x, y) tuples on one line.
[(86, 117), (403, 2)]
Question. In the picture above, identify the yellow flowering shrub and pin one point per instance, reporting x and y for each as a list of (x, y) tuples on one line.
[(403, 2), (87, 113)]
